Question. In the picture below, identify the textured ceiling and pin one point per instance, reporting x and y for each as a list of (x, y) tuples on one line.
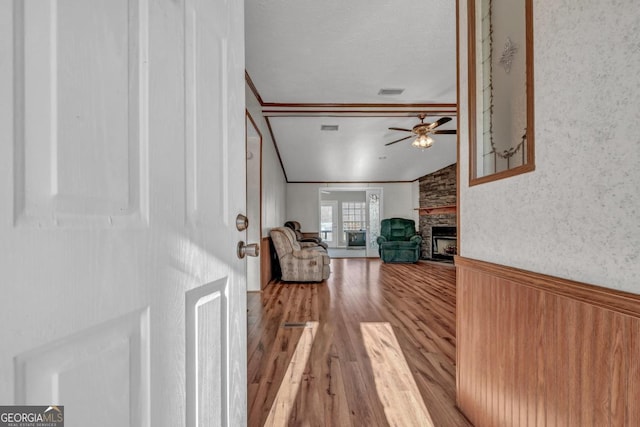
[(344, 52), (356, 152)]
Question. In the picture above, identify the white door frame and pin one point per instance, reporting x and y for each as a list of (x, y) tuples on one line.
[(254, 199)]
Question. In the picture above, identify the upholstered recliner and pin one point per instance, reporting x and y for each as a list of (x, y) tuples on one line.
[(297, 263), (398, 240), (295, 226)]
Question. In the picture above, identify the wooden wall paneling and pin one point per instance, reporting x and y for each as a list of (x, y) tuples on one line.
[(632, 408), (501, 338), (464, 366), (469, 365), (529, 354), (509, 351), (601, 376), (490, 357), (568, 345), (484, 388), (482, 391), (493, 360), (617, 366), (475, 402), (551, 362), (585, 360), (543, 324), (522, 341), (503, 396), (265, 262)]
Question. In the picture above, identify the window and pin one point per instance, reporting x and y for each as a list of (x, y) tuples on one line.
[(354, 216)]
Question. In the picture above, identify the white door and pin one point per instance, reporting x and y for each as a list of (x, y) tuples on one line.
[(121, 174), (329, 222)]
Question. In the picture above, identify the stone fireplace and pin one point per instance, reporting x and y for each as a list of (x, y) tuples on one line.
[(437, 190)]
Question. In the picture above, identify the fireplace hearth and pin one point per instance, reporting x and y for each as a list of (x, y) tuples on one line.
[(444, 243)]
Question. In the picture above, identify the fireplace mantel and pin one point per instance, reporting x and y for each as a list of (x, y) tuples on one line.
[(437, 210)]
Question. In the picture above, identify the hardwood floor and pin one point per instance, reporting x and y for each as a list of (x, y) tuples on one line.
[(373, 346)]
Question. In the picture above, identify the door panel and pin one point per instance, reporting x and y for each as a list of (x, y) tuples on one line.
[(111, 360), (117, 204), (65, 96), (207, 321)]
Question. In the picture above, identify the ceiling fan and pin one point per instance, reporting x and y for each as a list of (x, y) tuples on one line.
[(422, 131)]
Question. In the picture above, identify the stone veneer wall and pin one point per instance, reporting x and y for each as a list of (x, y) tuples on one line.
[(436, 189)]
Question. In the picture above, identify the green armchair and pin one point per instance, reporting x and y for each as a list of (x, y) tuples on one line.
[(398, 240)]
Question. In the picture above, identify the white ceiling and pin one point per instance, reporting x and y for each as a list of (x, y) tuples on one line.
[(344, 52)]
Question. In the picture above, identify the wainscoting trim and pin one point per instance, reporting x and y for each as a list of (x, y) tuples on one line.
[(537, 350), (609, 299)]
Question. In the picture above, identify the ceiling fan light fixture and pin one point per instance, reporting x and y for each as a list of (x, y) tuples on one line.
[(422, 141)]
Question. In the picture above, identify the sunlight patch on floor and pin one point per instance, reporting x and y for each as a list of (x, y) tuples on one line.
[(286, 397), (395, 385)]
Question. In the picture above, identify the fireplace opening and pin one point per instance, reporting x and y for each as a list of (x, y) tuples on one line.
[(444, 243)]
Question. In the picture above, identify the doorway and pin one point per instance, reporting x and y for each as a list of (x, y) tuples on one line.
[(350, 214), (329, 222), (254, 199)]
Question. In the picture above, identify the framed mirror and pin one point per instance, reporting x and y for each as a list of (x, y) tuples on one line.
[(501, 131)]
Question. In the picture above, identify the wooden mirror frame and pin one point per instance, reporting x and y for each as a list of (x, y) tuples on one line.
[(475, 92)]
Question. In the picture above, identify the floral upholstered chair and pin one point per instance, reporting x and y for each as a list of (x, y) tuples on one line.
[(297, 263)]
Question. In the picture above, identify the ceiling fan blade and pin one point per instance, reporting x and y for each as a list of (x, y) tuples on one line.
[(404, 130), (398, 140), (445, 132), (439, 122)]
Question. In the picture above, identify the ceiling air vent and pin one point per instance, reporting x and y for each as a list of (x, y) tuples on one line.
[(389, 91), (329, 127)]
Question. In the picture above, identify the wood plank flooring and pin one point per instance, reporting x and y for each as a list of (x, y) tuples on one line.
[(355, 350)]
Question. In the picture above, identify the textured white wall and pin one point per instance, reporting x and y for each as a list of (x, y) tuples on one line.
[(398, 200), (576, 215), (302, 201), (273, 183)]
